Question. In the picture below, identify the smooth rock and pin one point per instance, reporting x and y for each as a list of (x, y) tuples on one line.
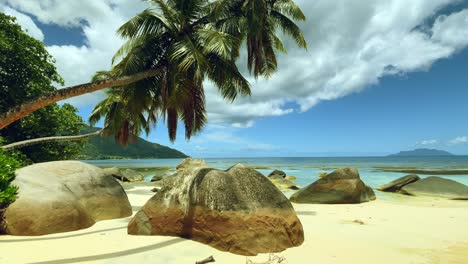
[(156, 178), (396, 185), (342, 186), (63, 196), (437, 187), (236, 210), (125, 175), (277, 174)]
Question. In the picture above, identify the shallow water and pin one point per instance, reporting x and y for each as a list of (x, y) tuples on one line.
[(307, 169)]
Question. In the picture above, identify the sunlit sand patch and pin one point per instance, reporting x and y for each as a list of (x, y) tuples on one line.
[(453, 254)]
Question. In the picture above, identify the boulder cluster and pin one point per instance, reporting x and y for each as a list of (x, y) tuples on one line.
[(430, 186)]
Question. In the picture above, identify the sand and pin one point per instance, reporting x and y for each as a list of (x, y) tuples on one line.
[(392, 230)]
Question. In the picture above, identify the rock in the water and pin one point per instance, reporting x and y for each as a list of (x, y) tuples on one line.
[(339, 187), (437, 187), (63, 196), (396, 185), (132, 176), (277, 174), (237, 210), (156, 178), (125, 175)]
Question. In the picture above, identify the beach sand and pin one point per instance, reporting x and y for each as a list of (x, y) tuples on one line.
[(395, 230)]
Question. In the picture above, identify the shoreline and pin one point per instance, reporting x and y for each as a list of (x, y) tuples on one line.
[(398, 230)]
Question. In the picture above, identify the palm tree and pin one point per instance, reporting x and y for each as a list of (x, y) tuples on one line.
[(182, 42), (171, 48), (30, 142)]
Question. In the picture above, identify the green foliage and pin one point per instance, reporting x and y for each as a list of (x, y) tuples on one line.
[(189, 42), (8, 165), (27, 71), (107, 148)]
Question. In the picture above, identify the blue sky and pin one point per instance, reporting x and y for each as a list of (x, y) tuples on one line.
[(379, 77)]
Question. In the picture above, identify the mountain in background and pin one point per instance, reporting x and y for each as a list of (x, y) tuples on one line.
[(423, 152), (106, 148)]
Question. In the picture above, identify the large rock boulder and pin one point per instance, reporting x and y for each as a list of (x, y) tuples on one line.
[(438, 187), (237, 210), (396, 185), (277, 174), (63, 196), (339, 187)]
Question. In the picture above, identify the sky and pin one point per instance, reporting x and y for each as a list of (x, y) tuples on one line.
[(378, 77)]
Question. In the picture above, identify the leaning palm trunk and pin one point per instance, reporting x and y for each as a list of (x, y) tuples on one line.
[(28, 107), (35, 141)]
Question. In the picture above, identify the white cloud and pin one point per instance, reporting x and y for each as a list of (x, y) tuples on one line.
[(200, 148), (226, 135), (25, 22), (99, 21), (459, 140), (351, 46), (427, 142)]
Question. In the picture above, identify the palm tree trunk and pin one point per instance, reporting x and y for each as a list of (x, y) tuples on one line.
[(30, 106), (35, 141)]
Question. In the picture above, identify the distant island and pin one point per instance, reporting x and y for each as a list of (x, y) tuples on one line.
[(106, 148), (422, 152)]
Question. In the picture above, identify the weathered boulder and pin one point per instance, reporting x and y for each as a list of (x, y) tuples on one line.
[(236, 210), (63, 196), (438, 187), (396, 185), (125, 175), (277, 174), (156, 178), (339, 187)]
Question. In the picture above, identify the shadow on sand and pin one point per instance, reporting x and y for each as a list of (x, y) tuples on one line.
[(60, 237), (306, 213), (115, 254)]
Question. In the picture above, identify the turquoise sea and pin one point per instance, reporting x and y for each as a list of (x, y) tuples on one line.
[(307, 169)]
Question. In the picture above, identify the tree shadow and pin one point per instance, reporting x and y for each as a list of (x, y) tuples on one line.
[(115, 254), (60, 237)]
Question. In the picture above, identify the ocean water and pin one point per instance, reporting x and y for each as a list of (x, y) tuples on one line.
[(307, 169)]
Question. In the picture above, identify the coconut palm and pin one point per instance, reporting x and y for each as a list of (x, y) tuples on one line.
[(172, 48), (189, 41)]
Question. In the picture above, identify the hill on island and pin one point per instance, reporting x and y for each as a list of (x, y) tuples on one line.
[(106, 148), (423, 152)]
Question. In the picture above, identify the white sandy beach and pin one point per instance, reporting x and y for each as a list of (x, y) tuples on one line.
[(398, 230)]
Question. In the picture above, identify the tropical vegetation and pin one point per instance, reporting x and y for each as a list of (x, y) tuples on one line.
[(8, 192), (99, 148), (27, 71)]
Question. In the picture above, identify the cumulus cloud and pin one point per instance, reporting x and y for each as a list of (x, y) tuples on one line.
[(25, 22), (427, 142), (227, 136), (351, 46), (459, 140)]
